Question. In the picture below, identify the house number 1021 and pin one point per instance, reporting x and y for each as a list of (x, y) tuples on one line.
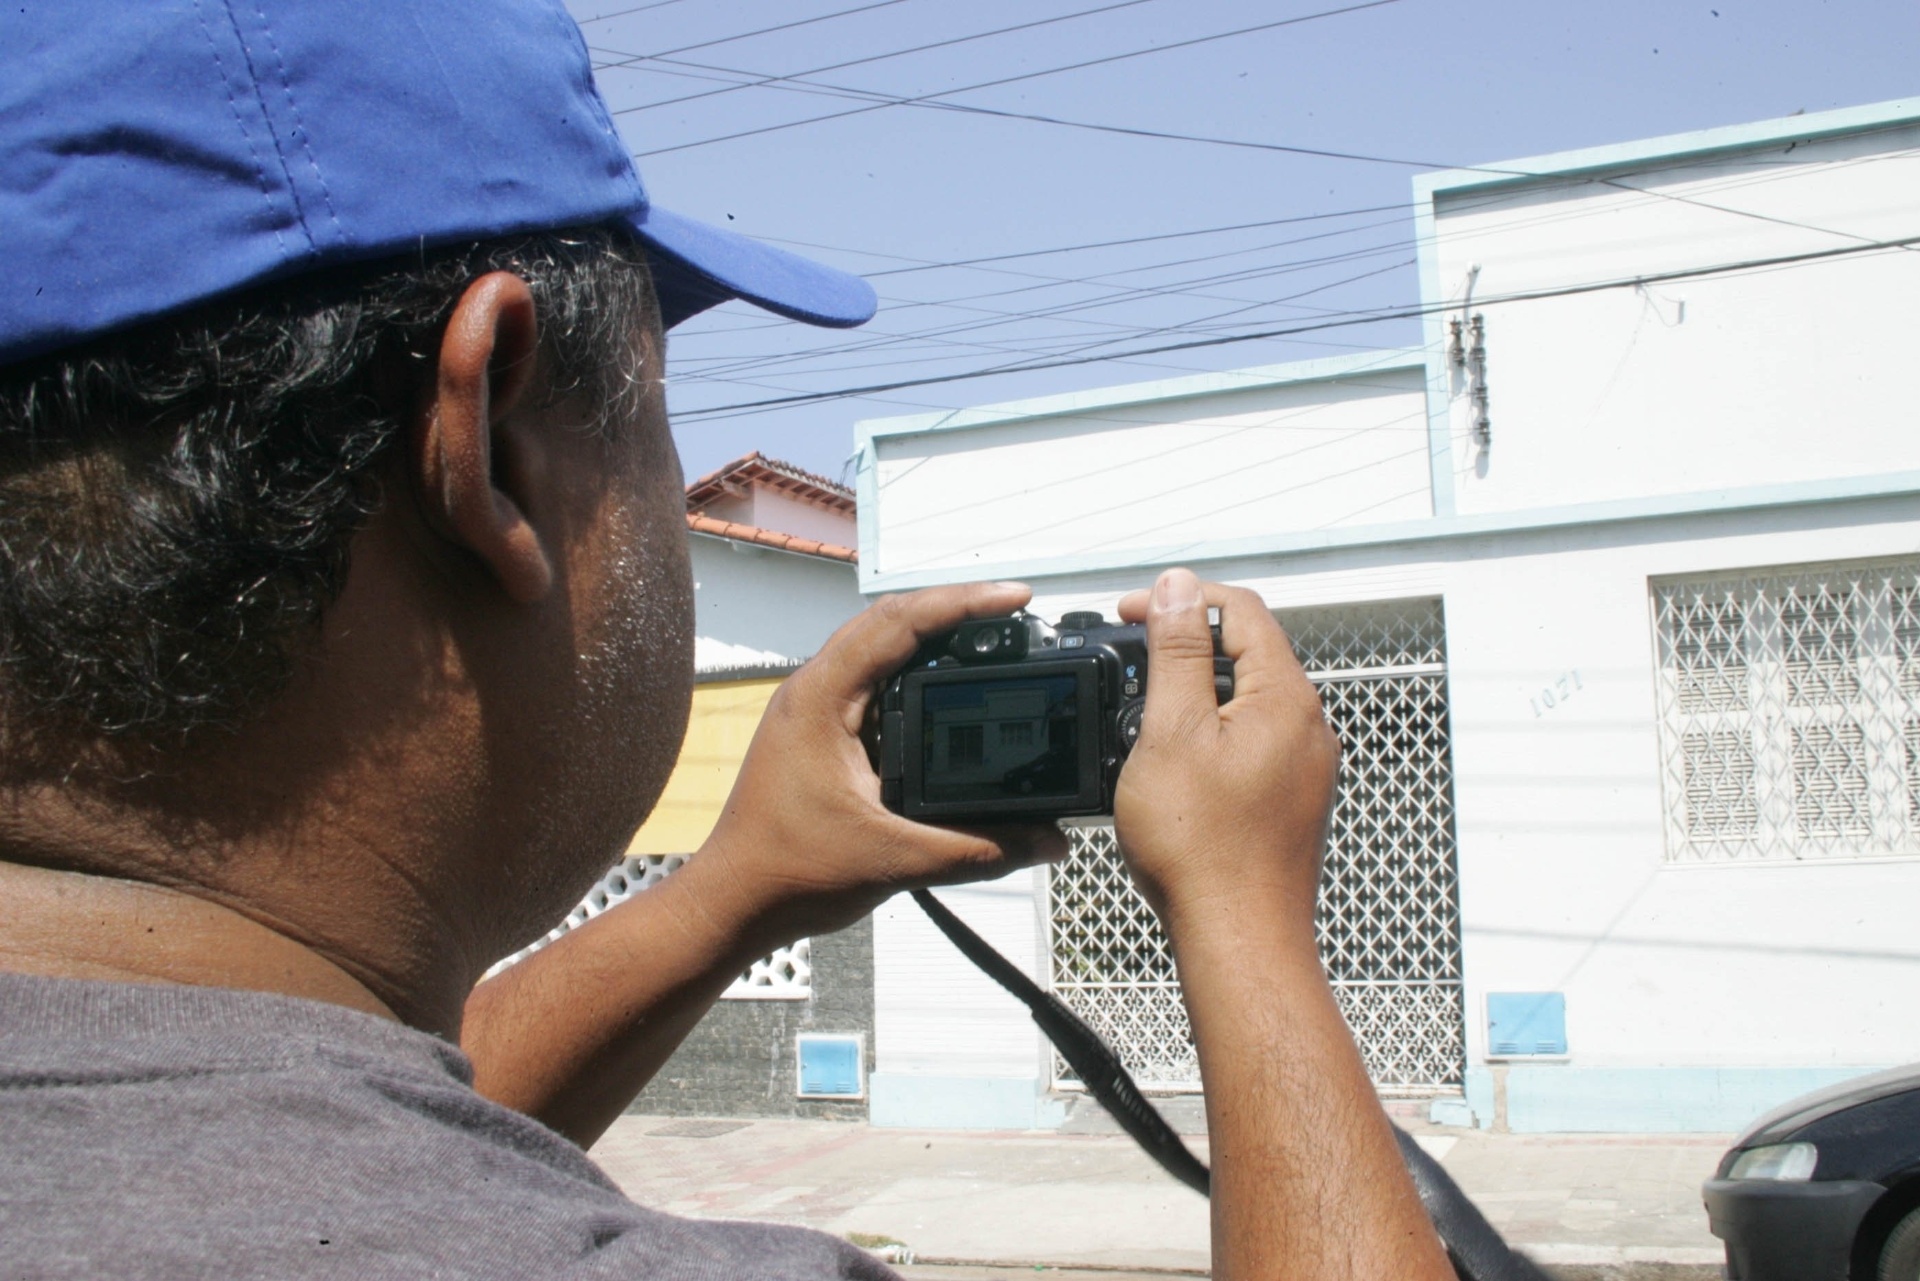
[(1564, 687)]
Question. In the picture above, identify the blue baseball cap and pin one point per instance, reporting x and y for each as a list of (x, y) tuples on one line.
[(158, 153)]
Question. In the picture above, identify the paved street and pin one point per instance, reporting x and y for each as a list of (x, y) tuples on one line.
[(976, 1205)]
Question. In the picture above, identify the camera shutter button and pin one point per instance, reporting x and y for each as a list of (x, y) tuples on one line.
[(1129, 722)]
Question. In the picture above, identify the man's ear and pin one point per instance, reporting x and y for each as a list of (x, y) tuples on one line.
[(486, 363)]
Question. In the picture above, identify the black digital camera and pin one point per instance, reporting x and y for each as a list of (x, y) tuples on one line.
[(1010, 719)]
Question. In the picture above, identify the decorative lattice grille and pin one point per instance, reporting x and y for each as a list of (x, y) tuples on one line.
[(785, 975), (1389, 912), (1790, 712)]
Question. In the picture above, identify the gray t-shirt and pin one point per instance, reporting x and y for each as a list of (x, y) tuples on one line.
[(161, 1131)]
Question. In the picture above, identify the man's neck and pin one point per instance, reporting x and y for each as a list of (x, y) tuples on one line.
[(81, 926)]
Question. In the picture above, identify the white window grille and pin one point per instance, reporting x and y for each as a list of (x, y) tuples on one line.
[(1388, 920), (785, 975), (1790, 712)]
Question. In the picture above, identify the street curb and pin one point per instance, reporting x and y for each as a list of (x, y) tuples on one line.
[(1617, 1255)]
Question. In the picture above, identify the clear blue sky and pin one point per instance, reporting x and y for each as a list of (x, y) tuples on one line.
[(893, 187)]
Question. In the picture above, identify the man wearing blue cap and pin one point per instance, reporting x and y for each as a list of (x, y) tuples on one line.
[(344, 637)]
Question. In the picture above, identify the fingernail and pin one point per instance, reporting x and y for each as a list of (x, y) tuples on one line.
[(1014, 587), (1175, 590)]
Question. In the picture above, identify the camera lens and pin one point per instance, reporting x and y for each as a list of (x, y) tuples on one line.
[(986, 640)]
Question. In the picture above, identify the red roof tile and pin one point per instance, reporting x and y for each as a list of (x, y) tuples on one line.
[(757, 469), (769, 538)]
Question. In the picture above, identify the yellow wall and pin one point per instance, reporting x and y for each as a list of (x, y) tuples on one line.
[(725, 714)]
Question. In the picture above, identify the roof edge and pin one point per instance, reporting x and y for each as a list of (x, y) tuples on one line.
[(1189, 387), (753, 534), (1678, 146)]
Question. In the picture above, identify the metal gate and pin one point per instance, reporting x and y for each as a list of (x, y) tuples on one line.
[(1389, 914)]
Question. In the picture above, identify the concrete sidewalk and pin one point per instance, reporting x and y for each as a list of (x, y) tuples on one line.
[(974, 1205)]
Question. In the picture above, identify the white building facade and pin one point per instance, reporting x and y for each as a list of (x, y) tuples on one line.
[(1612, 588)]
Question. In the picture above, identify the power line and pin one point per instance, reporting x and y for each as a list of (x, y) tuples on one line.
[(1136, 333), (797, 84), (1031, 75), (767, 31), (754, 79), (1187, 287), (621, 13), (1375, 317), (1066, 310), (1470, 202), (1115, 297)]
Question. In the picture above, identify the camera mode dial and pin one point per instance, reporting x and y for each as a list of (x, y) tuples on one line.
[(1129, 724), (1081, 620)]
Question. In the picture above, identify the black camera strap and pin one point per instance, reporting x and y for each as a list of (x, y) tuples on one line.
[(1097, 1066), (1476, 1250)]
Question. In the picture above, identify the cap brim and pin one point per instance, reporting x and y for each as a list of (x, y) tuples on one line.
[(697, 265)]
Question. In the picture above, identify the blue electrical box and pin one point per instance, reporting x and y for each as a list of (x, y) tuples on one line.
[(1526, 1025), (831, 1067)]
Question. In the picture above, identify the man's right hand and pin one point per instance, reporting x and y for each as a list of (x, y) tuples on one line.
[(1225, 806), (1222, 816)]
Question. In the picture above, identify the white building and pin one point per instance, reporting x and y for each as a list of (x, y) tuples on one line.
[(1613, 589)]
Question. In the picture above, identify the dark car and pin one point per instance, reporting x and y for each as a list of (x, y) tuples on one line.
[(1826, 1187)]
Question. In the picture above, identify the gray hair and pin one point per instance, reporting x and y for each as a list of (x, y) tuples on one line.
[(177, 500)]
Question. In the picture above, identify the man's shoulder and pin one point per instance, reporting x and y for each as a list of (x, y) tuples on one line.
[(181, 1131)]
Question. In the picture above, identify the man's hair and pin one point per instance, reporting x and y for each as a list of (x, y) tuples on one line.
[(176, 501)]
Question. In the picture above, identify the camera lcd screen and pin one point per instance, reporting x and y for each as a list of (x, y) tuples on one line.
[(1000, 738)]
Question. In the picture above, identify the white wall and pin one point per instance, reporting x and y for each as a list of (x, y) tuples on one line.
[(766, 508), (938, 1016), (1298, 455), (1784, 375), (1564, 882), (756, 605)]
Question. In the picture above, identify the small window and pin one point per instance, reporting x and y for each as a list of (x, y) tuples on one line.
[(1790, 712)]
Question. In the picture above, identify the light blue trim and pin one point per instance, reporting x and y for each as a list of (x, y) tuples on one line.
[(1695, 145), (1188, 387), (866, 502), (1479, 1090), (902, 1102), (1433, 327), (1565, 1099), (1447, 1110), (1437, 529)]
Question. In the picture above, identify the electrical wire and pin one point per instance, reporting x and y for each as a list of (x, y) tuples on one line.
[(1372, 317), (763, 31), (884, 339), (1028, 75), (621, 13), (755, 80), (871, 341)]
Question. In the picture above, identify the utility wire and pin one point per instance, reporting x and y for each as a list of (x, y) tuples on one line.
[(621, 13), (1115, 296), (1374, 317), (763, 31), (1467, 203), (754, 79), (1067, 310), (1189, 287), (713, 374), (1029, 75), (796, 84)]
